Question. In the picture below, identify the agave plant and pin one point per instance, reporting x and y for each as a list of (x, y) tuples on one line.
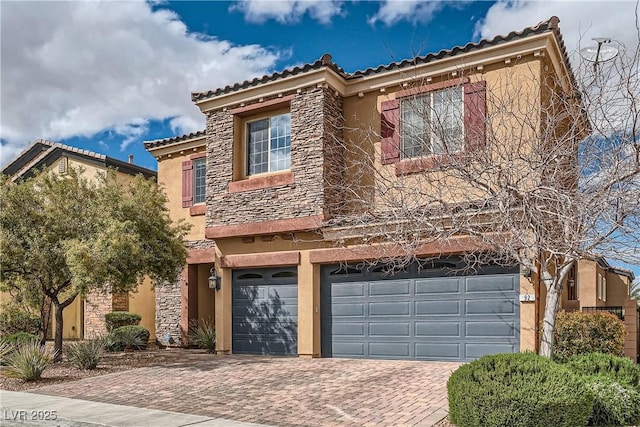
[(28, 360), (203, 335), (85, 354)]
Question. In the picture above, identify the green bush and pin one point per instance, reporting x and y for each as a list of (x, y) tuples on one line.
[(517, 390), (116, 319), (581, 333), (203, 336), (28, 360), (14, 320), (112, 344), (614, 404), (5, 350), (85, 354), (619, 369), (132, 337), (18, 337)]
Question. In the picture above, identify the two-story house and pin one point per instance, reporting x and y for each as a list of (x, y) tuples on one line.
[(84, 318), (261, 185)]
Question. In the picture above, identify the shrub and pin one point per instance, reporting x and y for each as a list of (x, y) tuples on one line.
[(112, 343), (116, 319), (614, 404), (5, 350), (132, 336), (519, 390), (19, 337), (14, 320), (203, 336), (581, 333), (619, 369), (85, 354), (28, 360)]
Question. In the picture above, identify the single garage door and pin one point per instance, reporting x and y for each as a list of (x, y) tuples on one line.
[(265, 311), (426, 313)]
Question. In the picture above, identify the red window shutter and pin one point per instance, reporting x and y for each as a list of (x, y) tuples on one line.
[(390, 131), (187, 183), (475, 113)]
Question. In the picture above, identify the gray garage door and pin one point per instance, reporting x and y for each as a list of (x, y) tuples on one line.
[(426, 313), (265, 311)]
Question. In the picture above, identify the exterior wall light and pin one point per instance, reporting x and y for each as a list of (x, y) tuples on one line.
[(214, 280)]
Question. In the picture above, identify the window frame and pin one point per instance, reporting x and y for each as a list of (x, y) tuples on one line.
[(195, 162), (269, 115), (432, 118)]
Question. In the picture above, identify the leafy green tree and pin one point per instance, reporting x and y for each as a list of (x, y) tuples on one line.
[(64, 236)]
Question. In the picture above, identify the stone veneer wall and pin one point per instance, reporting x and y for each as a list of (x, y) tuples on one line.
[(169, 300), (96, 305), (334, 154), (316, 118)]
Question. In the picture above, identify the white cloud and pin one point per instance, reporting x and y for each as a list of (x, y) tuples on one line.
[(288, 11), (579, 21), (393, 11), (79, 68)]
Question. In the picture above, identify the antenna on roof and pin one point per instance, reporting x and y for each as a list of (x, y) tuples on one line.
[(601, 53)]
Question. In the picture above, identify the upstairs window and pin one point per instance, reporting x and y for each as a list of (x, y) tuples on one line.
[(199, 180), (432, 123), (269, 144), (194, 181)]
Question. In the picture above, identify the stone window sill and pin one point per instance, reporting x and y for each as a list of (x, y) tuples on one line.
[(198, 209), (260, 182)]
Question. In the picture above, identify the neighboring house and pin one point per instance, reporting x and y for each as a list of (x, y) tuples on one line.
[(84, 318), (255, 184)]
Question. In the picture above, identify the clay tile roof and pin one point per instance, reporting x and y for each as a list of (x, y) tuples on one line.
[(174, 139), (550, 25), (326, 61)]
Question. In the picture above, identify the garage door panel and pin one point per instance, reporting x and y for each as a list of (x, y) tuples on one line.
[(383, 329), (493, 283), (437, 286), (284, 292), (392, 287), (350, 329), (477, 350), (491, 329), (490, 306), (436, 328), (437, 351), (349, 349), (389, 349), (431, 308), (389, 308), (248, 328), (249, 293), (348, 309), (347, 290)]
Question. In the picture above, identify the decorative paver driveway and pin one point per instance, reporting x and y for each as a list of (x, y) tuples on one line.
[(279, 391)]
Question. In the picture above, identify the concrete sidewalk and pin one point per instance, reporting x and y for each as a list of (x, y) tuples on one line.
[(28, 409)]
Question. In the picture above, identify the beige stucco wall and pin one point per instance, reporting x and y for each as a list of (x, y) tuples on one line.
[(142, 302), (170, 179), (206, 296)]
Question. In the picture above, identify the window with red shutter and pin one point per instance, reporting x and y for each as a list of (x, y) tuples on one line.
[(187, 183), (427, 123)]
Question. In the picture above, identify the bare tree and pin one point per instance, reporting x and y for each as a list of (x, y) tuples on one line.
[(550, 175)]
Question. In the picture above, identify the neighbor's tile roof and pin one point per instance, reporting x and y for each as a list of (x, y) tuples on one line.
[(550, 25), (174, 139)]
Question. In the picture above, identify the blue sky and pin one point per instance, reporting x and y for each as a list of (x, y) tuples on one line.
[(108, 76)]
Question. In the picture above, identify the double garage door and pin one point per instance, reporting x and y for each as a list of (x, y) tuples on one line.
[(416, 314)]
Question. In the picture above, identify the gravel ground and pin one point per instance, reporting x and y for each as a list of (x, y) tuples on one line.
[(110, 362)]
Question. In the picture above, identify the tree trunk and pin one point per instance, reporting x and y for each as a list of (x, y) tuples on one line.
[(549, 321), (57, 347)]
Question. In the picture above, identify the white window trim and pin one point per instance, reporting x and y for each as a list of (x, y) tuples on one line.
[(432, 116), (246, 145), (193, 183)]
